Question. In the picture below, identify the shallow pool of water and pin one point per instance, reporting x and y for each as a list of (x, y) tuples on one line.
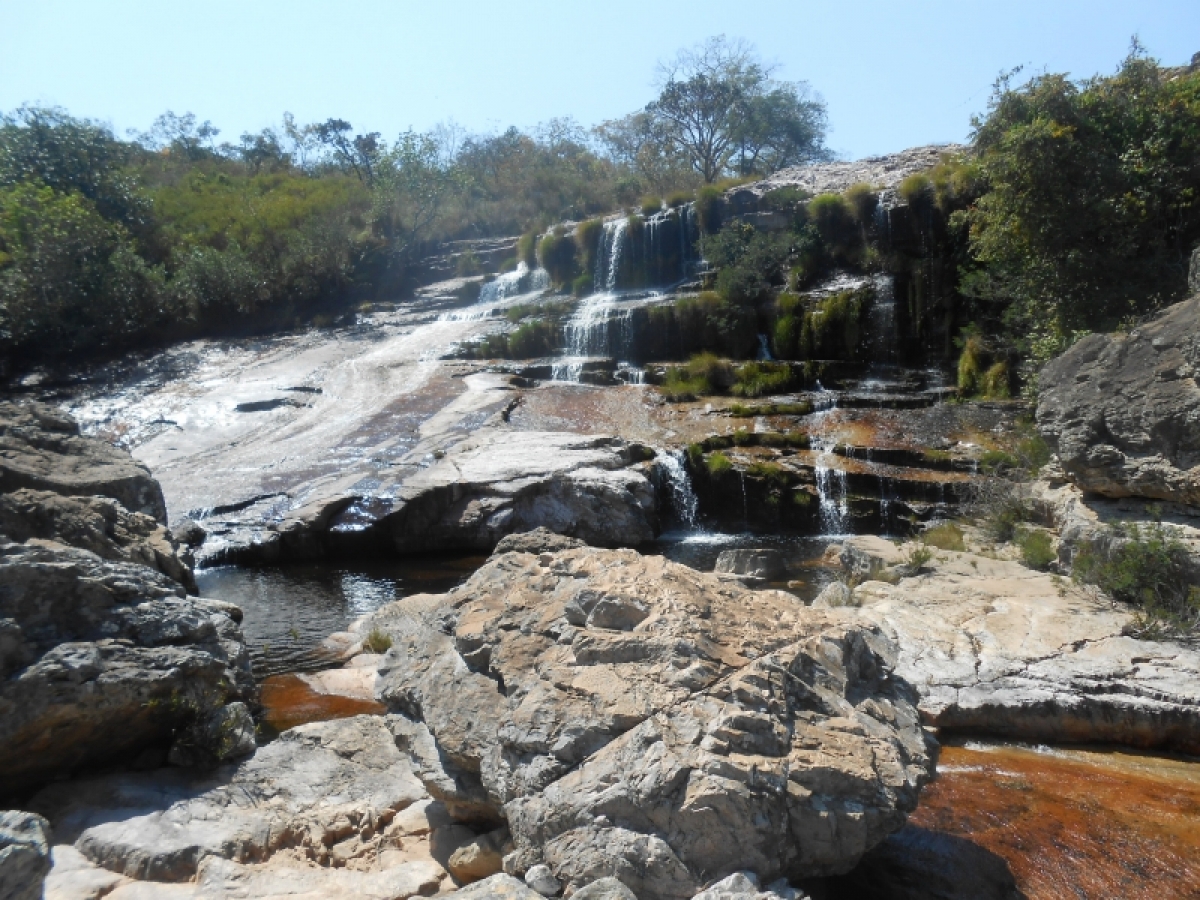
[(289, 610), (1073, 823)]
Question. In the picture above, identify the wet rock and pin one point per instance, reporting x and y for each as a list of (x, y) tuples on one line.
[(24, 855), (42, 449), (101, 660), (766, 565), (1123, 411), (98, 524), (726, 727), (224, 734), (996, 648), (745, 886)]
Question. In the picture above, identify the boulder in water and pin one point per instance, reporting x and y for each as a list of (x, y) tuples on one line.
[(24, 855), (762, 564)]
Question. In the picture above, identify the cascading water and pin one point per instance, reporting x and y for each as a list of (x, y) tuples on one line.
[(833, 492), (521, 280), (684, 502), (882, 322)]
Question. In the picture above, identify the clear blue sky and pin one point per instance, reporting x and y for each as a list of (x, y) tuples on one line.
[(895, 73)]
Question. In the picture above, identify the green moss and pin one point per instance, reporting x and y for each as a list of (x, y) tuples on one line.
[(759, 379), (717, 464), (744, 437)]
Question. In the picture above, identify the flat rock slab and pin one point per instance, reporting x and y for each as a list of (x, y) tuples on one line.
[(994, 647), (635, 718)]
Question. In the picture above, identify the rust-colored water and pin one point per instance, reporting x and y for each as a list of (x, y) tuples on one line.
[(1074, 823), (288, 702)]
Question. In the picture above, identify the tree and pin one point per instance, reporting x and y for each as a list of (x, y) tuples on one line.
[(412, 184), (1091, 203), (359, 153), (718, 105), (180, 134)]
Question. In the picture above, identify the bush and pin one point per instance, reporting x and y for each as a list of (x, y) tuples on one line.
[(581, 286), (946, 536), (717, 464), (587, 236), (558, 253), (1147, 568), (651, 206), (467, 264), (1037, 550), (917, 191), (834, 219), (862, 201), (759, 379), (536, 338), (377, 641), (709, 208), (527, 249), (916, 559)]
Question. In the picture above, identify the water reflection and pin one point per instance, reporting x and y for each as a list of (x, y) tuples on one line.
[(290, 609)]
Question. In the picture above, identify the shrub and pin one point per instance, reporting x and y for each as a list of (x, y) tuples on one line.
[(508, 265), (773, 473), (679, 198), (916, 559), (527, 249), (744, 437), (587, 236), (835, 222), (747, 411), (996, 382), (916, 190), (1037, 550), (532, 339), (758, 379), (651, 205), (377, 641), (946, 536), (467, 264), (705, 373), (581, 286), (862, 201), (709, 204), (717, 463), (1147, 568), (558, 253)]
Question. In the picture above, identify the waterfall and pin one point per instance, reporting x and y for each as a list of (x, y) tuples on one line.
[(882, 321), (764, 349), (519, 281), (833, 491), (609, 254), (684, 502)]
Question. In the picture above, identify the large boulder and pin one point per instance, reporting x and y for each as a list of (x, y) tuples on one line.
[(999, 649), (100, 660), (635, 718), (41, 448), (1122, 411)]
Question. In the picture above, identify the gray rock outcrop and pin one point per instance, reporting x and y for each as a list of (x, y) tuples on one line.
[(99, 524), (634, 718), (588, 487), (24, 855), (101, 659), (1123, 411), (996, 648), (41, 449), (764, 565)]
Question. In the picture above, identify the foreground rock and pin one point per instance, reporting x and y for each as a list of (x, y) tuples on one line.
[(101, 660), (1123, 411), (634, 718), (42, 449), (331, 809), (996, 648)]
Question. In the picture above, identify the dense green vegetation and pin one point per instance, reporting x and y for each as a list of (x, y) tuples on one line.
[(1079, 206), (108, 243)]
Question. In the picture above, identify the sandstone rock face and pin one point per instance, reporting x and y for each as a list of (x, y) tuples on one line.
[(1123, 411), (100, 659), (24, 855), (637, 719), (999, 649), (41, 449), (331, 809), (98, 524)]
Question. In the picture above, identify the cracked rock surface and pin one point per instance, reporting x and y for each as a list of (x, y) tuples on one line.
[(632, 717), (994, 647), (1123, 411)]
